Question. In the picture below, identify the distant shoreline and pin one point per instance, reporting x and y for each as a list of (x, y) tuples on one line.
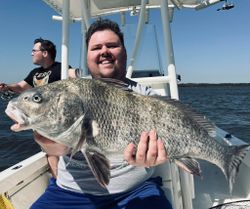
[(213, 84)]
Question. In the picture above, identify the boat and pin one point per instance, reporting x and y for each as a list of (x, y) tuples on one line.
[(23, 183)]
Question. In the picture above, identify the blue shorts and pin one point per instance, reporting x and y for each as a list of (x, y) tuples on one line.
[(149, 195)]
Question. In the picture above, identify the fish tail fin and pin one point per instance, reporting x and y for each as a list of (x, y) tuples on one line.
[(234, 159)]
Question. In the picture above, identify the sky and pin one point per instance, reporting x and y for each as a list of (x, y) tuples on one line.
[(210, 46)]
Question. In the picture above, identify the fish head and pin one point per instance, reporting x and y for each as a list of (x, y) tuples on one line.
[(25, 110), (50, 112)]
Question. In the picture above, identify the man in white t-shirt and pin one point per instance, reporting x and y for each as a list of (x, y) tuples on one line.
[(131, 186)]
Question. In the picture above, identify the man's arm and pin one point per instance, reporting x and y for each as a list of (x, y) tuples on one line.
[(53, 163), (16, 87), (53, 150)]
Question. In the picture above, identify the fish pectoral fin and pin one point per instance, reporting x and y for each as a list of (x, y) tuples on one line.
[(189, 164), (71, 129), (99, 165)]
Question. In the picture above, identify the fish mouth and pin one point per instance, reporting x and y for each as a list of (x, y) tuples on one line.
[(19, 118)]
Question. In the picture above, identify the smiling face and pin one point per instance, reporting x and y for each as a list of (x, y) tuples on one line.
[(106, 55)]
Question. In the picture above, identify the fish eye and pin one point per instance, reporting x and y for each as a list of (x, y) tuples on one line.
[(37, 98)]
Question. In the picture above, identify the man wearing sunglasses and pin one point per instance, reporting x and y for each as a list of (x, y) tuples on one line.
[(43, 54)]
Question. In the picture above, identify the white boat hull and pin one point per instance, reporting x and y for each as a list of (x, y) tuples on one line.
[(24, 182)]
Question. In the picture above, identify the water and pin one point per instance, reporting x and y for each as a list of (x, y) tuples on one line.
[(14, 147), (226, 106)]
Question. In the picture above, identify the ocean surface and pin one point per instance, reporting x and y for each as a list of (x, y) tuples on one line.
[(228, 106)]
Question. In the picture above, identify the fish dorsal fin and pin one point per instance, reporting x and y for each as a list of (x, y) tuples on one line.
[(163, 98), (98, 164), (202, 120), (117, 83), (188, 110)]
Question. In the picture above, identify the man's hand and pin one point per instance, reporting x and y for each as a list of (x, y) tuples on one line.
[(3, 87), (51, 147), (150, 151)]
